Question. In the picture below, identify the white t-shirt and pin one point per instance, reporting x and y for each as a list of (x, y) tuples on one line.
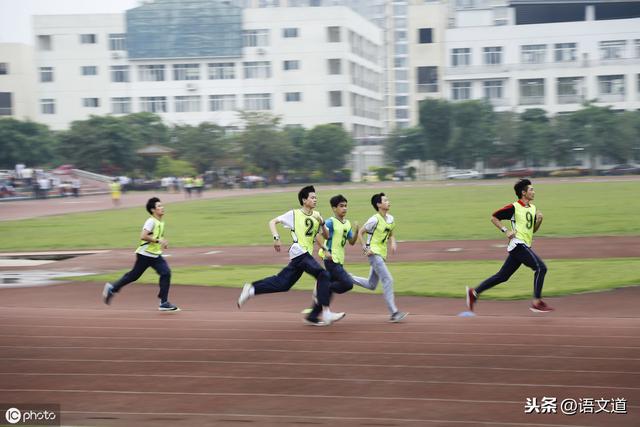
[(287, 221), (149, 225), (372, 223)]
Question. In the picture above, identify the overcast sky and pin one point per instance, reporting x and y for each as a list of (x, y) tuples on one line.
[(15, 15)]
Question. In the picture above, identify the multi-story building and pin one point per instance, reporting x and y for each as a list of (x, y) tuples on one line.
[(553, 55), (17, 81), (201, 60)]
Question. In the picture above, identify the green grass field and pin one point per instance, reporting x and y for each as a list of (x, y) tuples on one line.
[(433, 279), (422, 213)]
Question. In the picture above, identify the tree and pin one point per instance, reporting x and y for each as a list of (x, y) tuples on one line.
[(436, 123), (263, 145), (328, 146), (473, 132), (505, 149), (404, 145), (169, 167), (204, 146), (25, 142), (146, 128), (534, 137), (102, 143)]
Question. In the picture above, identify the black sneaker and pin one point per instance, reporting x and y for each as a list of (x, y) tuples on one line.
[(314, 321), (107, 293), (167, 306)]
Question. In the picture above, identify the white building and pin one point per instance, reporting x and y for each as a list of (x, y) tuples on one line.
[(196, 60), (553, 55), (17, 81)]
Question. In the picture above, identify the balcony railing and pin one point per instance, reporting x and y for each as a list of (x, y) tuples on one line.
[(531, 100), (427, 87), (569, 99), (611, 97)]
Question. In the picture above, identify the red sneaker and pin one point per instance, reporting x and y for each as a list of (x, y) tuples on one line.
[(471, 298), (540, 307)]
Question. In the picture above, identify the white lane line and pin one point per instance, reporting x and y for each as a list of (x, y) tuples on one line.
[(353, 365), (343, 342), (307, 417), (213, 252), (305, 331), (287, 351), (314, 379)]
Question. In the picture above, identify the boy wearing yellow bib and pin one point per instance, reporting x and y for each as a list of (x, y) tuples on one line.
[(333, 254), (379, 229), (148, 254), (304, 224), (525, 220)]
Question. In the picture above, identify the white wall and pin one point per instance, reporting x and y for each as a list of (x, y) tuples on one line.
[(20, 79)]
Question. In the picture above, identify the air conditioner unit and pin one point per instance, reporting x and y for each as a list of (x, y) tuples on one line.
[(192, 86), (116, 55)]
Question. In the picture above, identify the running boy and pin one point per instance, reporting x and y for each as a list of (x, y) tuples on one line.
[(304, 224), (333, 254), (148, 254), (525, 220), (379, 229)]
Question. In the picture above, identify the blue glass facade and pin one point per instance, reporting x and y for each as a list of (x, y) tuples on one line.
[(184, 29)]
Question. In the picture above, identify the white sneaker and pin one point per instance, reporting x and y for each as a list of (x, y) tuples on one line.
[(245, 294), (329, 317)]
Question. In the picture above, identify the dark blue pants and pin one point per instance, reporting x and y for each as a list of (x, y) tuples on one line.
[(289, 275), (519, 255), (142, 263), (341, 282)]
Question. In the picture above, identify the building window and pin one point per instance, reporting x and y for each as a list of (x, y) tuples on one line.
[(187, 104), (117, 41), (257, 101), (533, 53), (91, 102), (48, 106), (255, 38), (401, 74), (531, 91), (121, 105), (151, 73), (492, 55), (257, 70), (461, 57), (402, 87), (565, 52), (493, 89), (186, 71), (153, 104), (5, 104), (119, 73), (46, 74), (401, 35), (402, 113), (333, 34), (289, 33), (427, 79), (335, 98), (400, 62), (44, 42), (569, 90), (425, 35), (461, 90), (613, 49), (222, 71), (335, 66), (637, 48), (4, 68), (89, 70), (88, 39), (401, 100), (293, 97), (222, 102), (291, 65), (611, 88)]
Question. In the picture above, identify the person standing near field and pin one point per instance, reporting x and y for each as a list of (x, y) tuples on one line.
[(116, 191), (148, 254), (379, 229), (304, 224), (525, 220), (333, 254)]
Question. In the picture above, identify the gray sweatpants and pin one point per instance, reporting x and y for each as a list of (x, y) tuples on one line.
[(379, 272)]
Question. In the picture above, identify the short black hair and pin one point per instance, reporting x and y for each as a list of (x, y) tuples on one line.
[(336, 200), (304, 193), (151, 203), (375, 199), (521, 186)]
